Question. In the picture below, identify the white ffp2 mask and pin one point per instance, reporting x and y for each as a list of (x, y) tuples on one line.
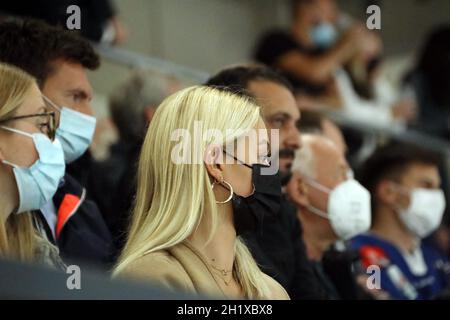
[(349, 208), (425, 211)]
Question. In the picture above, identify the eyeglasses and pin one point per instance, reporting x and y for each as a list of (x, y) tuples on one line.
[(48, 127), (263, 162)]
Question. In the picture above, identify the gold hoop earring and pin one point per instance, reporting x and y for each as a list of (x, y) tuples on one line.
[(230, 188)]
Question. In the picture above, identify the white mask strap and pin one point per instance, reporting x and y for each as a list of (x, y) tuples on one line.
[(319, 212), (317, 185), (10, 164), (17, 131)]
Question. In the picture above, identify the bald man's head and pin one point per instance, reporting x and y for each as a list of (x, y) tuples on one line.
[(320, 159)]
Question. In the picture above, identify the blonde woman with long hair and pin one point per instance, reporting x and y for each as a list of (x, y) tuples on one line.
[(182, 233), (31, 165)]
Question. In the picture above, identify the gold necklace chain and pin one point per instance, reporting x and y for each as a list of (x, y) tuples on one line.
[(222, 273), (219, 274)]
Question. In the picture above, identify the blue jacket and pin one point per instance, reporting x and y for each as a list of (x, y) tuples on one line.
[(396, 277)]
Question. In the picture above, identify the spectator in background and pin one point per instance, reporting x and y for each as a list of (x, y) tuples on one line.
[(132, 107), (331, 205), (184, 234), (407, 205), (333, 62), (99, 19), (58, 59), (31, 166), (316, 123), (430, 81), (311, 52), (277, 246)]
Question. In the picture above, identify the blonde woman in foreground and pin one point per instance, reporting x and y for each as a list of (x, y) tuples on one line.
[(31, 166), (182, 232)]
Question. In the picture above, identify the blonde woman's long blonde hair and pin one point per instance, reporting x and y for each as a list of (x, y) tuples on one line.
[(172, 198), (17, 234)]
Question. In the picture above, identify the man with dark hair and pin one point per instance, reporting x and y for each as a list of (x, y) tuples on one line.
[(407, 206), (48, 47), (277, 246), (58, 59)]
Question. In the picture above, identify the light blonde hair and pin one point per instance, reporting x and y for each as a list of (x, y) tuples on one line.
[(172, 198), (17, 234)]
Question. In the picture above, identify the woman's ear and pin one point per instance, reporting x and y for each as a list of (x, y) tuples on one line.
[(213, 159), (297, 190)]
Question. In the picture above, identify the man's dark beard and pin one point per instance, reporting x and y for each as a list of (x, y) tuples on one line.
[(285, 175)]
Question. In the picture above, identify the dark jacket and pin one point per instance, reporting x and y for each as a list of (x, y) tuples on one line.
[(279, 250), (113, 186), (81, 233)]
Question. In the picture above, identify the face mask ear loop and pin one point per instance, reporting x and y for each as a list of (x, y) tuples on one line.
[(26, 134), (402, 190), (10, 164), (320, 213), (51, 103), (317, 185)]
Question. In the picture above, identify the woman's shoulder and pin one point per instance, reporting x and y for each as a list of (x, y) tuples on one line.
[(277, 292), (151, 260), (159, 267)]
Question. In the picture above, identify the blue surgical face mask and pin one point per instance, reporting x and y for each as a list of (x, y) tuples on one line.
[(75, 131), (323, 35), (38, 183)]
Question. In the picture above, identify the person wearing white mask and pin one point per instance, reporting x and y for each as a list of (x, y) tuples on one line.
[(59, 60), (31, 167), (331, 205), (408, 205)]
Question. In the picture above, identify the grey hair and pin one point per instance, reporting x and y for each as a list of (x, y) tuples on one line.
[(143, 89), (304, 161), (305, 157)]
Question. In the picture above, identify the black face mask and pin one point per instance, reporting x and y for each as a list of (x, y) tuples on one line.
[(250, 212)]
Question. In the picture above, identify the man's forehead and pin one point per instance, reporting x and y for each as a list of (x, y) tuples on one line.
[(270, 92), (273, 97), (421, 171), (72, 75)]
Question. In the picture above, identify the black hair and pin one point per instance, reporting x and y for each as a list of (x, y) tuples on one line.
[(34, 46), (391, 162), (237, 79)]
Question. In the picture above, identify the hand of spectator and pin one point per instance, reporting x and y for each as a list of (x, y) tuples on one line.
[(404, 110), (371, 45), (354, 38)]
